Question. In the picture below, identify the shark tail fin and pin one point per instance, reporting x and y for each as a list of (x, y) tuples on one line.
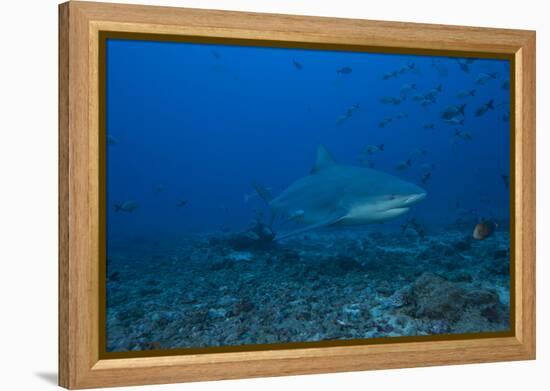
[(381, 147), (461, 109), (473, 92), (409, 162), (263, 193), (118, 207), (490, 104)]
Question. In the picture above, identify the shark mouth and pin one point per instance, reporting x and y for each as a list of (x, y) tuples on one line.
[(399, 210), (406, 203), (413, 199)]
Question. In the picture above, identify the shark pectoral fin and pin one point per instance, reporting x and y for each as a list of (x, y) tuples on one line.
[(332, 219)]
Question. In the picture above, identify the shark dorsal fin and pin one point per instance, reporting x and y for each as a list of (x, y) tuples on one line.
[(324, 159)]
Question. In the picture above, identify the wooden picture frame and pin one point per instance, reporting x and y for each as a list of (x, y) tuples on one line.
[(81, 364)]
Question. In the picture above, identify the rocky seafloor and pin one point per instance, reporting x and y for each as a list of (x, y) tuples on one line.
[(218, 290)]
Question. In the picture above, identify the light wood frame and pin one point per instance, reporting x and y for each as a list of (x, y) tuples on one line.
[(80, 365)]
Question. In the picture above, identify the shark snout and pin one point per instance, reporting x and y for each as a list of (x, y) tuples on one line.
[(413, 199)]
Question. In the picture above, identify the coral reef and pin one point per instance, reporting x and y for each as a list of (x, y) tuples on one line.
[(239, 289)]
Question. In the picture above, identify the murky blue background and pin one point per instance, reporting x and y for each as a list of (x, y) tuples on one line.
[(204, 121)]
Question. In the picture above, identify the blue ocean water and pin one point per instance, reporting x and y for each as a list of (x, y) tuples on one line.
[(191, 128)]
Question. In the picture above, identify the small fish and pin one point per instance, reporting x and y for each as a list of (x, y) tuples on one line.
[(466, 93), (455, 120), (464, 67), (483, 78), (351, 109), (404, 165), (341, 119), (428, 126), (386, 100), (505, 85), (418, 152), (389, 75), (453, 111), (406, 68), (397, 101), (406, 88), (401, 115), (484, 229), (216, 54), (505, 180), (434, 92), (484, 108), (467, 136), (111, 140), (344, 71), (297, 65), (181, 203), (128, 206), (384, 122), (426, 177), (463, 63), (370, 149), (392, 100), (158, 189)]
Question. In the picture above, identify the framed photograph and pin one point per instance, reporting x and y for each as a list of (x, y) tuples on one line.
[(247, 195)]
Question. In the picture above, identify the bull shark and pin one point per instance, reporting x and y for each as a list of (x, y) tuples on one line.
[(335, 194)]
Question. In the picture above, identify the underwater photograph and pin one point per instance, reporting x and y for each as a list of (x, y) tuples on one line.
[(272, 195)]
